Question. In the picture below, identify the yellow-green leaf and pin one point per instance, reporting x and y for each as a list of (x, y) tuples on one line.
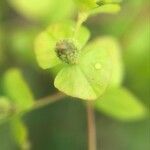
[(17, 89), (45, 10), (20, 133), (121, 104), (89, 78), (92, 7), (112, 45), (109, 8), (85, 5)]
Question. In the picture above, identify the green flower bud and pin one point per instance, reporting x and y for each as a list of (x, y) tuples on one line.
[(67, 51)]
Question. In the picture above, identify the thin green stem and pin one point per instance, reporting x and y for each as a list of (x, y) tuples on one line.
[(81, 18), (92, 144), (48, 100)]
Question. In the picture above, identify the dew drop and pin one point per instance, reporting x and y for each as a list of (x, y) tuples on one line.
[(98, 66)]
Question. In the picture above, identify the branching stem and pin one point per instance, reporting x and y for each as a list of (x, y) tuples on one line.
[(48, 100), (90, 116)]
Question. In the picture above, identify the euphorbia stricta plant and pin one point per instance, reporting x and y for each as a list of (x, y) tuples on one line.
[(87, 69)]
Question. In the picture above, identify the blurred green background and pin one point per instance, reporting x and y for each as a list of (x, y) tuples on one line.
[(62, 125)]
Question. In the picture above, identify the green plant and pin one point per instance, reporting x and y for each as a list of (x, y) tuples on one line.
[(91, 71)]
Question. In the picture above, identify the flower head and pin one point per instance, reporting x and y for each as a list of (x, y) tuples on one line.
[(85, 68)]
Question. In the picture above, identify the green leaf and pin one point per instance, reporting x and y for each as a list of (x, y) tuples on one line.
[(45, 10), (17, 89), (72, 81), (20, 133), (88, 79), (85, 5), (112, 45), (46, 42), (109, 8), (136, 58), (93, 7), (21, 42), (121, 104), (105, 2), (44, 50)]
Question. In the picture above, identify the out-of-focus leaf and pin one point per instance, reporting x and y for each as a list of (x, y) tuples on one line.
[(109, 8), (104, 2), (85, 5), (20, 133), (88, 79), (21, 42), (46, 10), (113, 47), (92, 7), (121, 104), (17, 89), (136, 57), (44, 50)]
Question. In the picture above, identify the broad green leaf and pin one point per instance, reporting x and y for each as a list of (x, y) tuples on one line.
[(45, 10), (21, 42), (104, 2), (85, 5), (109, 8), (112, 45), (17, 89), (136, 58), (46, 42), (20, 133), (121, 104), (88, 79), (92, 7), (32, 8), (44, 50), (73, 82)]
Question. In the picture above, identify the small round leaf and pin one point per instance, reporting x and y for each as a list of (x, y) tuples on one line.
[(90, 77), (17, 90), (121, 104)]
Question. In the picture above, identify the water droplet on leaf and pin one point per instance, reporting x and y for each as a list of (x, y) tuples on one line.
[(98, 66)]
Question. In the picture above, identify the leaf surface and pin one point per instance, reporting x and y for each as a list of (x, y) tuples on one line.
[(17, 89), (121, 104), (90, 77)]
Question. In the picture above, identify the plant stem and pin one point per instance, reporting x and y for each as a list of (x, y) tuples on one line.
[(91, 127), (48, 100), (81, 18), (90, 116)]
